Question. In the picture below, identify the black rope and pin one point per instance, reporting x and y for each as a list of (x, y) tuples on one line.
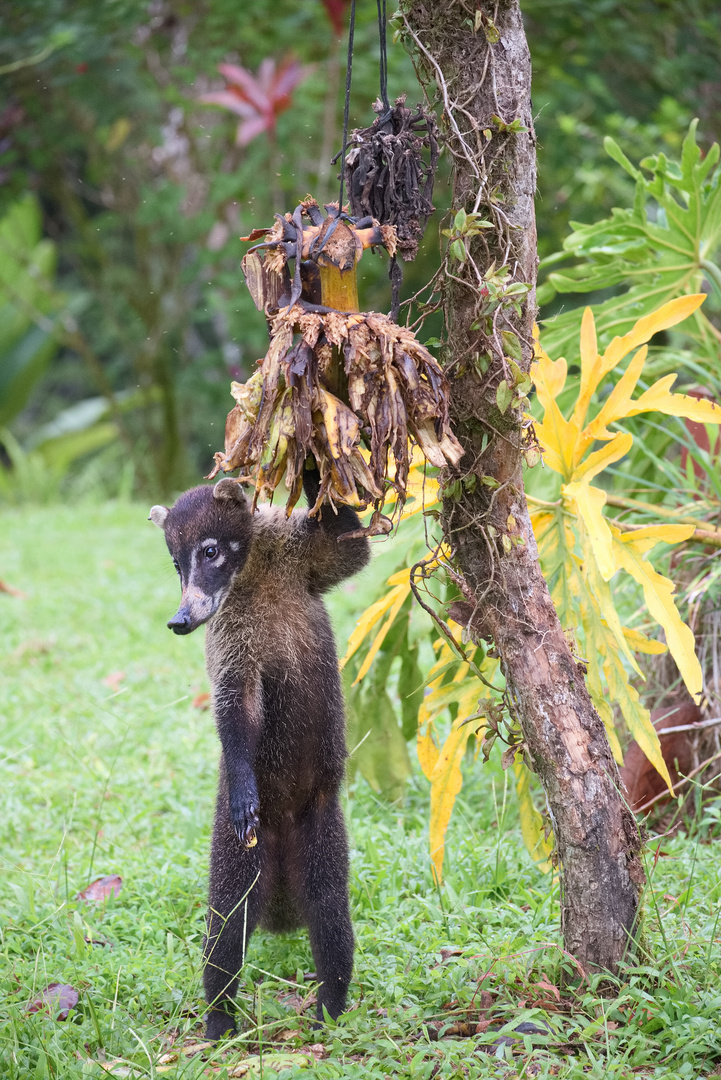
[(381, 6), (394, 272), (346, 108)]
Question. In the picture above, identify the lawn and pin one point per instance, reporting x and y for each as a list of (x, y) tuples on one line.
[(108, 767)]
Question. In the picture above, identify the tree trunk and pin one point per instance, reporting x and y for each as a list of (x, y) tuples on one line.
[(482, 72)]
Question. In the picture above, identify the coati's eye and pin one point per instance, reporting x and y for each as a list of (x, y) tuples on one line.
[(176, 564), (211, 552)]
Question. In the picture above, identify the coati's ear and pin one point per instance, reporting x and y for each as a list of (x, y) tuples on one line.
[(158, 515), (227, 488)]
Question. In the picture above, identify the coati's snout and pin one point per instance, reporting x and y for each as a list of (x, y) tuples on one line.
[(208, 533), (196, 607), (181, 622)]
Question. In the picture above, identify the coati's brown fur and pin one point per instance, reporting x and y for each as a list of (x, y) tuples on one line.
[(278, 706)]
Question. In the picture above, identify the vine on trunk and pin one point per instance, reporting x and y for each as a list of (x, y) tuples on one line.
[(478, 62)]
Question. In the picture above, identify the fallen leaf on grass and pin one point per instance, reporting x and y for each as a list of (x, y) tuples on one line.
[(167, 1062), (118, 1067), (251, 1066), (448, 951), (29, 651), (4, 587), (201, 701), (461, 1028), (101, 888), (544, 984), (297, 1002), (114, 679), (57, 999), (196, 1048)]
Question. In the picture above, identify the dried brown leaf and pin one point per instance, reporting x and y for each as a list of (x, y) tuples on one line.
[(101, 888), (395, 388), (190, 1049), (544, 984)]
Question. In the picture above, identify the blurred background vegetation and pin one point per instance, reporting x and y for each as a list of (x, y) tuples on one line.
[(123, 195), (123, 318)]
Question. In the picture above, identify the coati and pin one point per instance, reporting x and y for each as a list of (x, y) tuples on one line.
[(279, 853)]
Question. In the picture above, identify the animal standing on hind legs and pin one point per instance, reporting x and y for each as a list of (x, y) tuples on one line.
[(279, 854)]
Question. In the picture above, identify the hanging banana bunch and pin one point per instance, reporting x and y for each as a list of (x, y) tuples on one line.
[(351, 388)]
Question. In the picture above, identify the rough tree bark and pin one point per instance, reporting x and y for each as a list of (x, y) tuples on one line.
[(477, 57)]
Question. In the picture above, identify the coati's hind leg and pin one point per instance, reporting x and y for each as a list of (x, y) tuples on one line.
[(240, 879), (319, 856)]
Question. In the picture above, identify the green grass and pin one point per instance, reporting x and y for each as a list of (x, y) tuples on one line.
[(119, 777)]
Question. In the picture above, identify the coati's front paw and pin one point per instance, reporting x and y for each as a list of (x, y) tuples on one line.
[(244, 815)]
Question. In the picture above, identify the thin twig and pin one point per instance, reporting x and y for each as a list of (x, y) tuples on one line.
[(690, 727)]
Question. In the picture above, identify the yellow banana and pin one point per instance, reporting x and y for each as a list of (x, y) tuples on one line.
[(341, 424)]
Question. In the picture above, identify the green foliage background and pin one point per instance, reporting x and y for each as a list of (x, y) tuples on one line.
[(123, 317), (144, 194)]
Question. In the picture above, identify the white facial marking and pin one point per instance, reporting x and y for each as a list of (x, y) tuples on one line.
[(234, 545), (200, 552)]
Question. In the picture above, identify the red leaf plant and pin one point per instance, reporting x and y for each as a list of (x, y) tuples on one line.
[(699, 434), (259, 99), (335, 10)]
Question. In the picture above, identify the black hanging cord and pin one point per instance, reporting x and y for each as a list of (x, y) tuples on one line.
[(381, 6), (346, 108), (394, 273)]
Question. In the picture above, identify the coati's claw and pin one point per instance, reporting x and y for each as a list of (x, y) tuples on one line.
[(246, 834), (246, 826)]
